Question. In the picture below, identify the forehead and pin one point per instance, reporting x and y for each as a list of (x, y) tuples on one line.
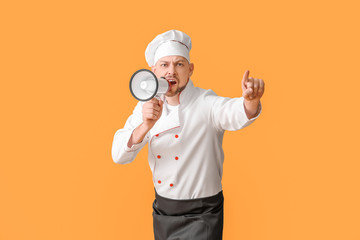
[(172, 59)]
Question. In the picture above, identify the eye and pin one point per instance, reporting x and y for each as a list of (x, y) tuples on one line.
[(163, 65), (180, 64)]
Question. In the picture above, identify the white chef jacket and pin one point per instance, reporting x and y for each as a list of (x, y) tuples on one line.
[(185, 147)]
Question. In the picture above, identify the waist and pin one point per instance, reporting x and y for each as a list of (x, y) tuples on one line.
[(174, 207)]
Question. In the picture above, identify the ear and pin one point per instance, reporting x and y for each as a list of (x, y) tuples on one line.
[(153, 69), (191, 66)]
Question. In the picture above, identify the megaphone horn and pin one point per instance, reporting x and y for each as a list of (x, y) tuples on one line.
[(144, 85)]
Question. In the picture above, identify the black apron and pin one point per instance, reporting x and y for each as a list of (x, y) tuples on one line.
[(190, 219)]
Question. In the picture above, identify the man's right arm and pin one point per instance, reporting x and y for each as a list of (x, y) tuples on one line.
[(151, 112), (129, 140), (138, 135), (120, 151)]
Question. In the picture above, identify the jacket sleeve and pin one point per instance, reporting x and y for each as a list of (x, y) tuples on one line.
[(120, 152), (229, 113)]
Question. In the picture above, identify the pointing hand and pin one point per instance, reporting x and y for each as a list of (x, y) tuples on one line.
[(253, 88)]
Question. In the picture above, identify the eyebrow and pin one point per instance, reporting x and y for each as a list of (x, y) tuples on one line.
[(180, 60)]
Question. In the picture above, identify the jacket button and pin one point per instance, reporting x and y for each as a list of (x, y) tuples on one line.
[(159, 182), (158, 156), (176, 136), (171, 185), (176, 158)]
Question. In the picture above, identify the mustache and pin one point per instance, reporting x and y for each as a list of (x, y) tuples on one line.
[(171, 77)]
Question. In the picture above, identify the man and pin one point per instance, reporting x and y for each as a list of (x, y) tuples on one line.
[(184, 130)]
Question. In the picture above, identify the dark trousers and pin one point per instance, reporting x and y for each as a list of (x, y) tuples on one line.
[(193, 219)]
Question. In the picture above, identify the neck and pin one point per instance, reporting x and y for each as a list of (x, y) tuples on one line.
[(173, 101)]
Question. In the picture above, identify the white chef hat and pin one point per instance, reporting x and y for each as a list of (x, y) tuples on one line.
[(169, 43)]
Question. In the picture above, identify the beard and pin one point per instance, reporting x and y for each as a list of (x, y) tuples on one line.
[(177, 91)]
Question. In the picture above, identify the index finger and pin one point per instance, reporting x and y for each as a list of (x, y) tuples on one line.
[(245, 78), (154, 100)]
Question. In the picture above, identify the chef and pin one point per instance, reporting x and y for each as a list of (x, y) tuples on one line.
[(184, 130)]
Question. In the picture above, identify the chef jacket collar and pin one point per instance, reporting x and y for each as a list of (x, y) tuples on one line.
[(187, 96)]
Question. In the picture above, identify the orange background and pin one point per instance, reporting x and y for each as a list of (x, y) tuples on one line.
[(65, 68)]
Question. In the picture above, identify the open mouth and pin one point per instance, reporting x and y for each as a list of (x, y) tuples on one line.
[(172, 82)]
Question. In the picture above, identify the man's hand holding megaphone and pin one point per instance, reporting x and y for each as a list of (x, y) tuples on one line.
[(151, 112), (253, 89)]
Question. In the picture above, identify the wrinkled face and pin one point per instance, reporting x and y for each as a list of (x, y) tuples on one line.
[(177, 70)]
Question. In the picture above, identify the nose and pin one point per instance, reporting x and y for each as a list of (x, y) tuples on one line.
[(171, 70)]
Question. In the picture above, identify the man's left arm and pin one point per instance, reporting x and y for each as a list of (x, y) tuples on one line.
[(236, 113)]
